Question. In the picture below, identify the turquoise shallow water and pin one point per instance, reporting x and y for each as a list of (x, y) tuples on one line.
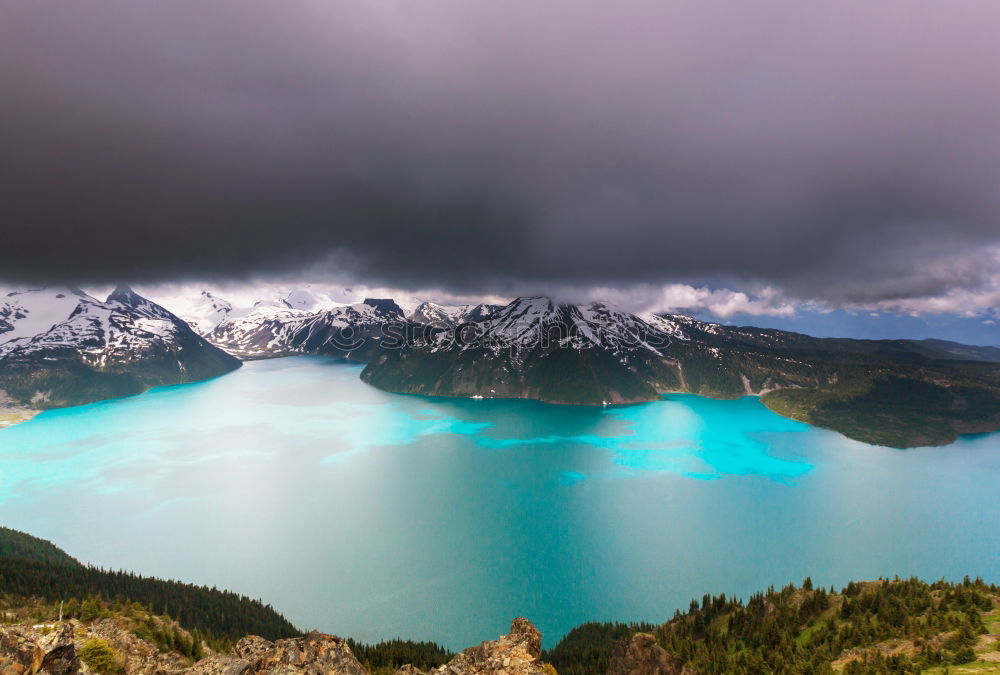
[(375, 515)]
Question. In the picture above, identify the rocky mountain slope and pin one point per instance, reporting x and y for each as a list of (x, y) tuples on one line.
[(449, 316), (61, 347), (893, 392), (357, 332)]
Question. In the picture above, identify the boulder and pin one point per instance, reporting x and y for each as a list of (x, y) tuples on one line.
[(409, 670), (60, 652), (642, 656), (27, 651), (220, 664)]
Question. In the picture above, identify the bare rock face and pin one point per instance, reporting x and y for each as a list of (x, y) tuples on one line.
[(513, 654), (409, 670), (642, 656), (25, 651), (220, 664), (59, 652), (314, 654)]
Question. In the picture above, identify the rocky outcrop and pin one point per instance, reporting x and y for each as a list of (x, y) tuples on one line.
[(409, 670), (25, 651), (315, 654), (136, 656), (318, 654), (513, 654), (642, 656)]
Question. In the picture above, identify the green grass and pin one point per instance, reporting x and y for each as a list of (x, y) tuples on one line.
[(992, 621), (975, 667)]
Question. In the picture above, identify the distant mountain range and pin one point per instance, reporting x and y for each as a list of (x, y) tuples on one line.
[(900, 393), (60, 346)]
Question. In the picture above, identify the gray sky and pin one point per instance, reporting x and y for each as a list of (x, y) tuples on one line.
[(842, 152)]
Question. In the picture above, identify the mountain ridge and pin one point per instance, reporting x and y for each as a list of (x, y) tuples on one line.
[(901, 393), (121, 346)]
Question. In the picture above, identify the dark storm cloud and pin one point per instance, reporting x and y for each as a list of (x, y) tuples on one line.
[(828, 148)]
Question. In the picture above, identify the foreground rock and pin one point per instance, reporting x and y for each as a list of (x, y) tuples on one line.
[(23, 650), (55, 650), (315, 653), (513, 654)]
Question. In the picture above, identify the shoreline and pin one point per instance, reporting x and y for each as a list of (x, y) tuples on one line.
[(11, 416)]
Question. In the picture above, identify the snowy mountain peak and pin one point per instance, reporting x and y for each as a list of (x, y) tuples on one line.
[(449, 316), (127, 301), (385, 306), (274, 331), (123, 293), (78, 349), (528, 323), (28, 312)]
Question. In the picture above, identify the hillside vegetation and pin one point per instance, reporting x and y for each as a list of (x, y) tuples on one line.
[(23, 546), (899, 627), (35, 572)]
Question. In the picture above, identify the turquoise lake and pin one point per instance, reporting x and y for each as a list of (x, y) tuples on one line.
[(376, 515)]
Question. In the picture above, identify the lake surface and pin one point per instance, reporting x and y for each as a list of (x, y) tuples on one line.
[(373, 515)]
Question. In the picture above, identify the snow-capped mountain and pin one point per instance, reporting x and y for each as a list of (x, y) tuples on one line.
[(534, 347), (350, 331), (449, 316), (208, 308), (207, 312), (62, 346), (27, 313), (593, 354), (95, 349), (527, 323)]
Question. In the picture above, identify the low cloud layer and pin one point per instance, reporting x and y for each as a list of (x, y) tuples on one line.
[(846, 153)]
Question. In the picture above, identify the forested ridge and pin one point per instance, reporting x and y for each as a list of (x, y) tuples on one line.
[(884, 627), (38, 580), (34, 568), (20, 545)]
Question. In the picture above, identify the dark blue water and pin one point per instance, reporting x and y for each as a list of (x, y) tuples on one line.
[(375, 515)]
